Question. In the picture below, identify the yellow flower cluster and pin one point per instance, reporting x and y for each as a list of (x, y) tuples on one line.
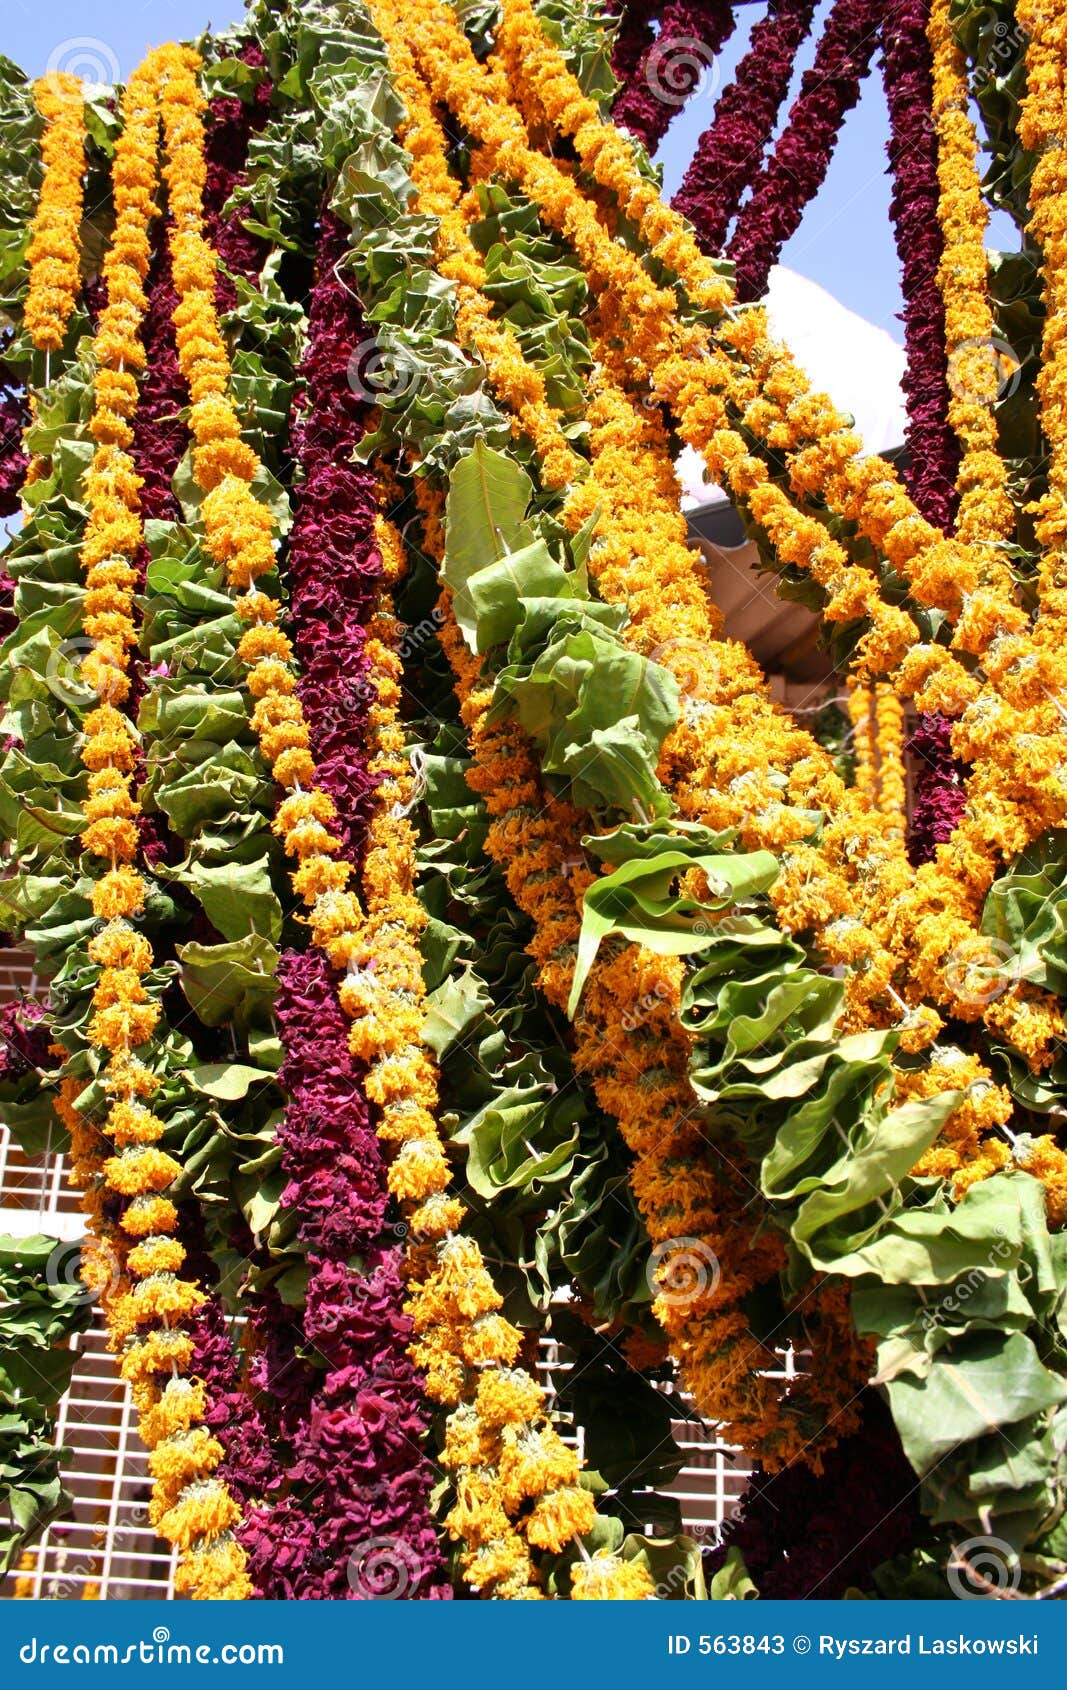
[(1041, 132), (877, 718), (55, 236), (986, 513)]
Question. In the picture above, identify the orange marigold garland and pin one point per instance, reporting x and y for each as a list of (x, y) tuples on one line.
[(54, 250), (190, 1507)]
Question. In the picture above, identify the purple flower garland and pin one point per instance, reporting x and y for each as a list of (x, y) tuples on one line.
[(358, 1453), (940, 799), (635, 36), (804, 1537), (691, 34), (14, 418), (333, 557), (797, 168), (932, 444), (730, 150)]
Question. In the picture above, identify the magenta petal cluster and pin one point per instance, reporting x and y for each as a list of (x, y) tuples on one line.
[(334, 562), (797, 168), (634, 37), (691, 35), (730, 151), (358, 1451), (933, 448), (940, 799)]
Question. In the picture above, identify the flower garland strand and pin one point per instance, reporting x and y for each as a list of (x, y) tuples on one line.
[(986, 513), (729, 152), (55, 234), (189, 1507), (691, 35), (797, 168)]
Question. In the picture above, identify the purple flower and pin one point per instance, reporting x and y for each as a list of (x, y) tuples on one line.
[(691, 34), (24, 1039), (940, 798), (729, 152), (796, 169)]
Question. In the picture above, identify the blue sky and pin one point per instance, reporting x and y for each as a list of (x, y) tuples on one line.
[(845, 242)]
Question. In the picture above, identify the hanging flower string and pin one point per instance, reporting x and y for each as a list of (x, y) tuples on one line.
[(729, 153), (189, 1507), (55, 237), (933, 449), (797, 168), (975, 360), (691, 35)]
